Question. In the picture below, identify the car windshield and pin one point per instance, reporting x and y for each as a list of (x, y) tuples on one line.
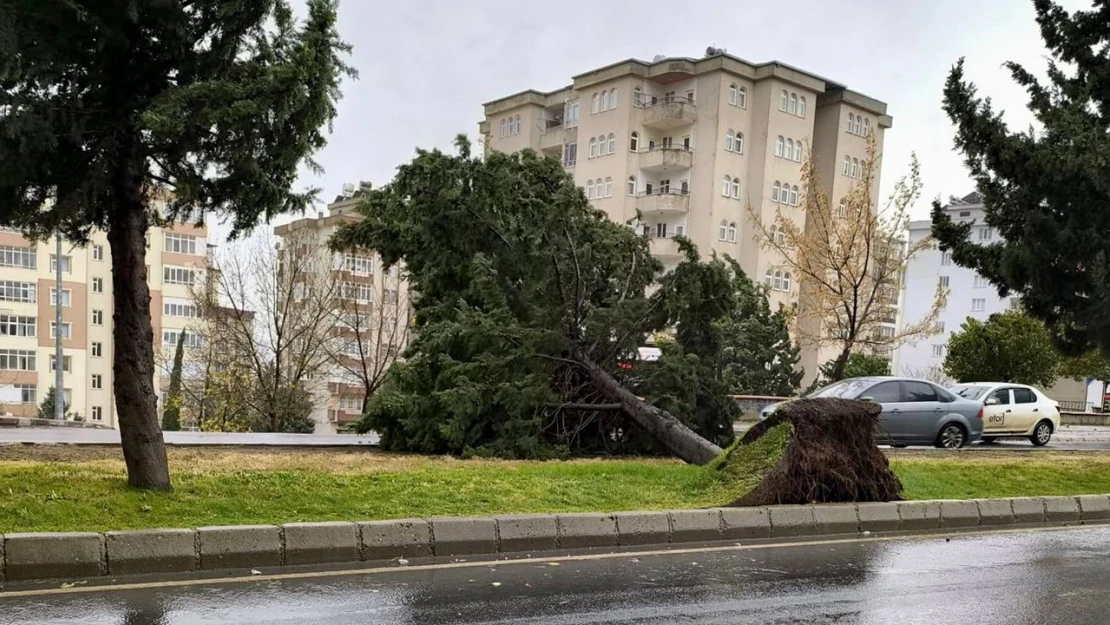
[(970, 391), (849, 389)]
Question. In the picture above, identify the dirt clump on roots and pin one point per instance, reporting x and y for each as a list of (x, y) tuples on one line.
[(812, 451)]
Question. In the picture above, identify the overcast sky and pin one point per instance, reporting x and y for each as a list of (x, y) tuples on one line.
[(427, 66)]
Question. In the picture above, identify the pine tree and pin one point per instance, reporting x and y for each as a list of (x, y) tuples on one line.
[(171, 414), (46, 408), (211, 105), (1044, 191)]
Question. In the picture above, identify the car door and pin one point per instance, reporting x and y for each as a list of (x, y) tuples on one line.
[(923, 410), (892, 426), (1025, 411), (996, 411)]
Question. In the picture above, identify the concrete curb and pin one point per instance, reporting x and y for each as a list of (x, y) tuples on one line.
[(31, 557)]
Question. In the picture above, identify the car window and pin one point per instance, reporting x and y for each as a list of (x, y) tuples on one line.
[(1024, 396), (845, 388), (944, 395), (884, 392), (919, 391), (970, 391), (1002, 395)]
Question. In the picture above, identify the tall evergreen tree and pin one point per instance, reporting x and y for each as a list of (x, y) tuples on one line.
[(171, 413), (213, 104), (1045, 191), (46, 408)]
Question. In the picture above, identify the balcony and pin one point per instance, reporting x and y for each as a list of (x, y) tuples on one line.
[(664, 202), (666, 158), (663, 248), (665, 113), (553, 136)]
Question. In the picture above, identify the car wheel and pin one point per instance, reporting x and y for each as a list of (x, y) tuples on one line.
[(1041, 434), (952, 436)]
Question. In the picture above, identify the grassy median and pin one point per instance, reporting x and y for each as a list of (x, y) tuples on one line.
[(67, 489)]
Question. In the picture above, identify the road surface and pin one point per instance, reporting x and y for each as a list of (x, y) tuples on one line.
[(1021, 578), (90, 436)]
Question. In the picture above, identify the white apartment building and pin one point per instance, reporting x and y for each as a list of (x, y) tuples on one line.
[(690, 143), (176, 261)]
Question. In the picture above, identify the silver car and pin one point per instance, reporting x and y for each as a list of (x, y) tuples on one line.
[(915, 412)]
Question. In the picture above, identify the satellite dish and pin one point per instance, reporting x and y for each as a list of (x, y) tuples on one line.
[(658, 57)]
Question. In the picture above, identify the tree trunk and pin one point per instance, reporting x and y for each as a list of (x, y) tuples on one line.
[(839, 365), (133, 341), (659, 424)]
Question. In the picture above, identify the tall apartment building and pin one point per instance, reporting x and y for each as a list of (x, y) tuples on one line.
[(176, 260), (371, 313), (689, 143)]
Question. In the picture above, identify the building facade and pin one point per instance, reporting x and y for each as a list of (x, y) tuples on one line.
[(176, 262), (689, 144)]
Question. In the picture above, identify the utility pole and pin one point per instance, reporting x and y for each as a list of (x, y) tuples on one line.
[(59, 392)]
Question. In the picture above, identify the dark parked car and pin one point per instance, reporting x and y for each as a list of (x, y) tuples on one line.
[(915, 412)]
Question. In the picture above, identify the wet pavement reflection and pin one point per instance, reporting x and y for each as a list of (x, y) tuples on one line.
[(1021, 578)]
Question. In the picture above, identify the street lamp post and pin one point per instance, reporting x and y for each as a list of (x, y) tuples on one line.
[(59, 392)]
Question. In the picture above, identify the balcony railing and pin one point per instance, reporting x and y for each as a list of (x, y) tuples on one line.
[(669, 113), (667, 157), (664, 201)]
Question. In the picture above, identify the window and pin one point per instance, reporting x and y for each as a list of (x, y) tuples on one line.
[(612, 143), (178, 308), (358, 292), (590, 189), (722, 231), (851, 123), (965, 213), (28, 393), (789, 151), (855, 168), (736, 187), (786, 281), (842, 208), (783, 100), (67, 330), (775, 191), (801, 106), (1002, 396), (54, 297), (938, 349), (570, 113), (733, 94), (943, 281), (66, 263), (634, 141), (661, 231), (866, 126), (726, 188), (939, 327), (98, 252), (19, 257), (980, 281), (594, 104), (97, 349), (859, 124), (738, 144), (11, 291), (732, 232), (516, 128), (986, 234), (17, 359), (637, 96), (798, 150), (593, 147), (98, 317), (886, 392), (978, 304), (794, 195), (503, 126), (946, 258), (12, 325), (178, 275), (98, 285), (608, 187), (612, 98), (742, 98), (97, 381), (67, 363), (570, 154), (170, 338), (919, 391), (778, 234), (847, 166), (768, 278), (792, 107), (1024, 396), (777, 282), (665, 185), (358, 265), (729, 138), (97, 413), (779, 142), (179, 243), (631, 185)]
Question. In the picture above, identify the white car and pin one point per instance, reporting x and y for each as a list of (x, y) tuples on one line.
[(1013, 411)]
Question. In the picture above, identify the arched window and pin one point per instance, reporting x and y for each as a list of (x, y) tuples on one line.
[(772, 233), (612, 98), (781, 237), (608, 187), (775, 189), (733, 90), (792, 107), (738, 145), (736, 187), (842, 208), (778, 281), (798, 150), (778, 146), (612, 143), (594, 104), (742, 98), (801, 106), (768, 278), (590, 189), (722, 230), (604, 104), (851, 122), (637, 96), (783, 99), (732, 232), (593, 147), (859, 124), (786, 281), (794, 195), (727, 186), (516, 128), (789, 151), (634, 141), (847, 165), (867, 126), (503, 125), (632, 185), (601, 145), (728, 140), (855, 168)]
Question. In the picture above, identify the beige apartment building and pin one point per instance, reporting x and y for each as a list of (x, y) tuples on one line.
[(690, 143), (176, 261), (371, 313)]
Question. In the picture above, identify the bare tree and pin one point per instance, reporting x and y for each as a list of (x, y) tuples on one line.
[(850, 259)]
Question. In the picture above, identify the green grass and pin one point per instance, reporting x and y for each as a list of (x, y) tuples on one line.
[(228, 487)]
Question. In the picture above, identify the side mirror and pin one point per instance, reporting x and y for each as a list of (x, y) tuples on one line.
[(991, 401)]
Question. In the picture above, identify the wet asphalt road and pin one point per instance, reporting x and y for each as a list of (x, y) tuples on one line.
[(1024, 578)]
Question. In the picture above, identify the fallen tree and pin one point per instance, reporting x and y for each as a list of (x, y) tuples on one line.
[(811, 451)]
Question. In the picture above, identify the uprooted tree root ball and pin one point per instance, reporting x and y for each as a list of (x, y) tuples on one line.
[(812, 451)]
